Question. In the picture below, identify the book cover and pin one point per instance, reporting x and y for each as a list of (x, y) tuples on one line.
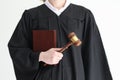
[(44, 40)]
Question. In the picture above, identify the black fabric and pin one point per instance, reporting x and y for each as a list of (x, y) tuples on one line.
[(86, 62)]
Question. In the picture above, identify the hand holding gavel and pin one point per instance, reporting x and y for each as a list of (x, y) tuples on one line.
[(51, 56), (54, 55)]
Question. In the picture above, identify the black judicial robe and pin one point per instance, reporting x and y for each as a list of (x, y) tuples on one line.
[(86, 62)]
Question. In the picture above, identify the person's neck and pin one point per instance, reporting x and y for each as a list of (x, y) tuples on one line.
[(58, 3)]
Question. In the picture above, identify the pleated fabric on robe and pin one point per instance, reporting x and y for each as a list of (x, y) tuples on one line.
[(86, 62)]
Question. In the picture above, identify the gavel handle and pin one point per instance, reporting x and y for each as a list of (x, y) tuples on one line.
[(63, 49), (66, 46)]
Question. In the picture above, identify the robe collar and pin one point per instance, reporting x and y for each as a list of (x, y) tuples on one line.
[(55, 10)]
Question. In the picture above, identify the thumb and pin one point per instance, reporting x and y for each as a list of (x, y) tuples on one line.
[(56, 49)]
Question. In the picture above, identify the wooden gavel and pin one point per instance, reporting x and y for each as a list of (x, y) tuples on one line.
[(73, 41)]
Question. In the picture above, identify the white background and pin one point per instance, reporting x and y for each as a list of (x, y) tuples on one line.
[(107, 15)]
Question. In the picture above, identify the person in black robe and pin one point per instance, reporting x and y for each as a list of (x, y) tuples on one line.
[(86, 62)]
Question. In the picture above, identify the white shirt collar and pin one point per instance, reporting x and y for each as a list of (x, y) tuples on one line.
[(55, 10)]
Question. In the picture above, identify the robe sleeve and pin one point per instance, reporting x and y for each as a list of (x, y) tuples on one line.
[(93, 53), (25, 61)]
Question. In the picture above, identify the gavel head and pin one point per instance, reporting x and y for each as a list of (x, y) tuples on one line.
[(74, 39)]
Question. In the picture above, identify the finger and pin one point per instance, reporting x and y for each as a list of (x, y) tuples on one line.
[(59, 58), (56, 61), (59, 54)]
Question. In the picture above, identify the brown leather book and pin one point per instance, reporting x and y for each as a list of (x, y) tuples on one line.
[(44, 40)]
